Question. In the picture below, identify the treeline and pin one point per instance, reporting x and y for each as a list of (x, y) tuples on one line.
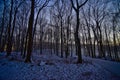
[(90, 27)]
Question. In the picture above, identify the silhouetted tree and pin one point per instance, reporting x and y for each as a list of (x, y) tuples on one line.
[(30, 32), (76, 35)]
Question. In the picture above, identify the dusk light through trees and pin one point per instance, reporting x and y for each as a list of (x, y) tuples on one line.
[(47, 32)]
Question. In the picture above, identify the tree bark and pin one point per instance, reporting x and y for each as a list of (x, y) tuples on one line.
[(9, 31), (30, 31)]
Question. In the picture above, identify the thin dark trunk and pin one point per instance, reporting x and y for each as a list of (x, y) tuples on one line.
[(9, 32), (2, 28), (114, 41), (25, 47), (61, 39), (108, 45)]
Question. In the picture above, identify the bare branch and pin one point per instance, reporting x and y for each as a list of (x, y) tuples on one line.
[(73, 5), (82, 4)]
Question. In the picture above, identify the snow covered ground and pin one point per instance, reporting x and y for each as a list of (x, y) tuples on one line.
[(111, 66), (47, 67)]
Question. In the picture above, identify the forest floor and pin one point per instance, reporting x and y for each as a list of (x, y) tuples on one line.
[(51, 67)]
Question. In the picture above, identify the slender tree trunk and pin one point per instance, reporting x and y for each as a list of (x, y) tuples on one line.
[(9, 32), (108, 45), (114, 41), (67, 45), (2, 29), (61, 38), (25, 47)]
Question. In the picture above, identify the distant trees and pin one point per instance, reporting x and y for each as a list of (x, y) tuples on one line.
[(90, 27), (98, 15), (90, 46), (11, 25), (40, 7), (99, 21), (114, 21)]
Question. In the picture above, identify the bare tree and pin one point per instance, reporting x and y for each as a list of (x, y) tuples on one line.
[(77, 39)]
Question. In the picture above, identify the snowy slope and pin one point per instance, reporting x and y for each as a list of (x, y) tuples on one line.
[(54, 68), (111, 66)]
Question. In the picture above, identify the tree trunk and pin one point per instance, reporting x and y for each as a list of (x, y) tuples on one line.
[(77, 39), (2, 28), (30, 37), (9, 32), (61, 39)]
